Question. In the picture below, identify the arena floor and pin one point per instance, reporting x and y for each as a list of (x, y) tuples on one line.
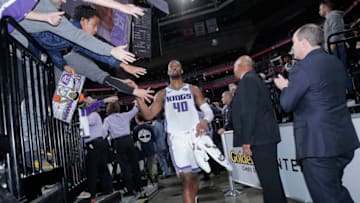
[(211, 191)]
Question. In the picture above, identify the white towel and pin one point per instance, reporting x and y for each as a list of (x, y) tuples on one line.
[(204, 145)]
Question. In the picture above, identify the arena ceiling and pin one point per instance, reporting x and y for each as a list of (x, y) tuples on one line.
[(206, 33), (196, 29)]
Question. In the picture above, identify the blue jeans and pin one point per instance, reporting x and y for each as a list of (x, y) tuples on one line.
[(340, 52), (163, 162)]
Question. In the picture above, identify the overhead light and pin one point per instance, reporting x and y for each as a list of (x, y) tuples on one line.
[(214, 42)]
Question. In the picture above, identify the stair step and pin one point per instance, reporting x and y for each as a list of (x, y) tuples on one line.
[(110, 198), (116, 197)]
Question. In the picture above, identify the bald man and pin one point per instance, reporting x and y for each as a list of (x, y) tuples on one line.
[(256, 129)]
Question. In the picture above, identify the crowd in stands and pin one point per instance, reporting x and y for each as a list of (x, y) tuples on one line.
[(136, 150)]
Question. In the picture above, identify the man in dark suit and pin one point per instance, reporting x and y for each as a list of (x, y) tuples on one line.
[(325, 137), (226, 99), (256, 129)]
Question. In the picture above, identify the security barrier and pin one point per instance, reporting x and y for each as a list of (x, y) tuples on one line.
[(290, 170), (39, 150)]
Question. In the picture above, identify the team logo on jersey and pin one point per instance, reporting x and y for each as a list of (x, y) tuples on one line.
[(185, 88), (144, 135), (179, 97)]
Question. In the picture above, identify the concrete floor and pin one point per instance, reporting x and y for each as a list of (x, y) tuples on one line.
[(211, 191)]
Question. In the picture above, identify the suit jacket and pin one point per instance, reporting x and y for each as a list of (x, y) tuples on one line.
[(227, 118), (252, 113), (316, 94)]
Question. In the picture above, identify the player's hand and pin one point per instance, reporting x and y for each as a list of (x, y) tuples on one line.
[(54, 18), (201, 127), (121, 54), (69, 69), (133, 70), (111, 99), (221, 131), (246, 149), (144, 94), (133, 10)]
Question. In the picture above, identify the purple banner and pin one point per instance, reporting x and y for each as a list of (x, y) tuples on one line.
[(120, 33)]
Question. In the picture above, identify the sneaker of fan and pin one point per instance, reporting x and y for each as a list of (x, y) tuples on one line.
[(84, 195), (48, 188), (200, 155), (210, 148)]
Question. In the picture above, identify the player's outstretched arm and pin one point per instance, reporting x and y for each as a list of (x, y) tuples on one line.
[(155, 108)]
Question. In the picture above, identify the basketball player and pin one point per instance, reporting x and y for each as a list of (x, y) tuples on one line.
[(182, 123)]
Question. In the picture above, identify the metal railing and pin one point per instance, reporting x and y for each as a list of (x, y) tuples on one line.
[(38, 143), (349, 54), (347, 36)]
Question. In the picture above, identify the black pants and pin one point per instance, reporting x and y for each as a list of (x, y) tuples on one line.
[(127, 157), (266, 165), (96, 166), (323, 177)]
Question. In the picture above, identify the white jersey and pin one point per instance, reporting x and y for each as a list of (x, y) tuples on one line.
[(180, 110)]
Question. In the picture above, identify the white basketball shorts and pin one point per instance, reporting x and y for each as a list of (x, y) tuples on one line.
[(181, 152)]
